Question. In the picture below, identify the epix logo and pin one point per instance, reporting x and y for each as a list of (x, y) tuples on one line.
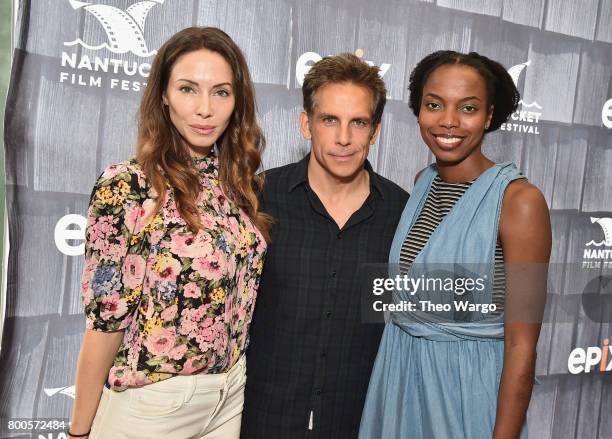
[(606, 114), (306, 60), (591, 359)]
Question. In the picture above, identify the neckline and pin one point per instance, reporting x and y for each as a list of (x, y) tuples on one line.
[(457, 205), (202, 163), (462, 183), (434, 165)]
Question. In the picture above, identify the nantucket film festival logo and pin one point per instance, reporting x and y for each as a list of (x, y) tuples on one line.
[(526, 118), (598, 254), (53, 391), (124, 31)]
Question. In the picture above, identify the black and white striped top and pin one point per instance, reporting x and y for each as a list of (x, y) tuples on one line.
[(440, 200)]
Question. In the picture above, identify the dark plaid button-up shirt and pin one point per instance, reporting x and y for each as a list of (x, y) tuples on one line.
[(310, 354)]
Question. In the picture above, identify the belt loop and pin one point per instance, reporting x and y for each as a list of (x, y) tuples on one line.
[(226, 380), (192, 383), (239, 365)]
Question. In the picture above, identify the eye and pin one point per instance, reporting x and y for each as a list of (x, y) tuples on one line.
[(360, 123), (186, 89), (469, 108), (433, 106), (329, 120), (222, 92)]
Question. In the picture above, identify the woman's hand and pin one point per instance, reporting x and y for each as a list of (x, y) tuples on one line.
[(95, 360)]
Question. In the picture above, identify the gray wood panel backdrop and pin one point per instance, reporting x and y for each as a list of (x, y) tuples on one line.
[(68, 116)]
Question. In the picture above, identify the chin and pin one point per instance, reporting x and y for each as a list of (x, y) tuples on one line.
[(449, 156), (198, 143), (344, 173)]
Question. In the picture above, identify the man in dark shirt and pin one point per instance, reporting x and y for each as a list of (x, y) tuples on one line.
[(310, 354)]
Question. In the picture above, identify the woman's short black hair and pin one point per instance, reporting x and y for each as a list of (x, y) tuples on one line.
[(501, 91)]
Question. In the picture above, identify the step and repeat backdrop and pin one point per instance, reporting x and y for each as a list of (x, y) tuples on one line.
[(78, 73)]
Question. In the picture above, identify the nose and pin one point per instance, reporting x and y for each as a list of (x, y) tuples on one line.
[(343, 136), (449, 119), (204, 108)]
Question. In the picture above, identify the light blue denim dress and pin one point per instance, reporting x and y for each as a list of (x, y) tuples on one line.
[(436, 379)]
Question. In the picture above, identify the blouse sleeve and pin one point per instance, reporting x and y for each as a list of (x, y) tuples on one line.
[(114, 265)]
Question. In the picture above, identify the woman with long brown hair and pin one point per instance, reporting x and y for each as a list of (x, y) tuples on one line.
[(174, 250)]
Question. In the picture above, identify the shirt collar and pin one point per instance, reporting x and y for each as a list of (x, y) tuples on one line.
[(207, 164), (300, 176)]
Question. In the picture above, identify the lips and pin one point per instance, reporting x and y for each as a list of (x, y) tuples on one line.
[(202, 130), (446, 141), (342, 157), (449, 140)]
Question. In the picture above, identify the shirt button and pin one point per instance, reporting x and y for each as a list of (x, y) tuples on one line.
[(323, 354), (339, 235), (333, 273), (318, 392), (328, 314)]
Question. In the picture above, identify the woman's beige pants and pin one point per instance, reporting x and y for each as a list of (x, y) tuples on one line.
[(205, 406)]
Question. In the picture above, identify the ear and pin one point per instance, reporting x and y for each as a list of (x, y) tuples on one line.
[(164, 99), (374, 136), (489, 118), (305, 126)]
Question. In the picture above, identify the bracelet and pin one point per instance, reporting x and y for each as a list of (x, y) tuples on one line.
[(78, 435)]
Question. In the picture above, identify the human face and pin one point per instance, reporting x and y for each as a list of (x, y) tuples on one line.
[(340, 130), (454, 113), (200, 98)]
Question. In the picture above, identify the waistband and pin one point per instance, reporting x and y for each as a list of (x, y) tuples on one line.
[(209, 380)]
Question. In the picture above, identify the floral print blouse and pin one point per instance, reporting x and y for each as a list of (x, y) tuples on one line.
[(185, 301)]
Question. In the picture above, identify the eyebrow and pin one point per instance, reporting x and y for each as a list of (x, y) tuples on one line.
[(332, 116), (327, 115), (195, 83), (468, 98)]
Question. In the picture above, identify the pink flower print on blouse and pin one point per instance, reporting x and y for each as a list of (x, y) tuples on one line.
[(113, 306), (178, 352), (156, 236), (111, 171), (193, 365), (213, 267), (192, 290), (179, 296), (167, 368), (132, 216), (192, 320), (161, 341), (189, 246), (166, 268), (133, 271), (101, 227), (169, 313), (86, 285)]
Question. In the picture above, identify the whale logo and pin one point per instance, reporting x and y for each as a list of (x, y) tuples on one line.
[(515, 71), (68, 391), (515, 74), (606, 226), (124, 29)]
